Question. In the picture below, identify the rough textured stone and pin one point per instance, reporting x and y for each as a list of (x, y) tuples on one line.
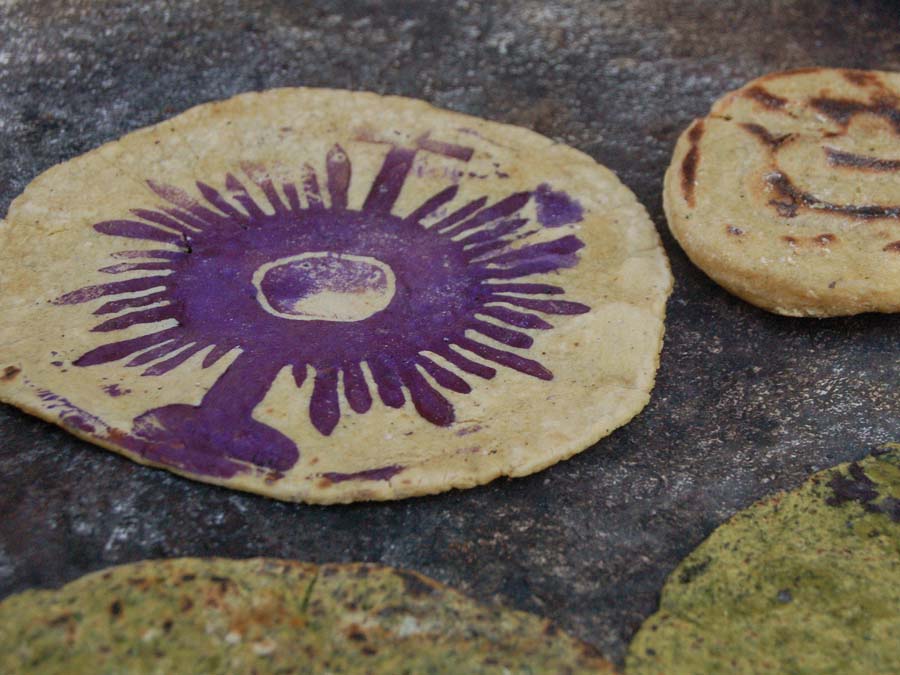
[(747, 403)]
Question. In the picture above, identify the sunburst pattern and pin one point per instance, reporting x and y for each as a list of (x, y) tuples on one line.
[(301, 279)]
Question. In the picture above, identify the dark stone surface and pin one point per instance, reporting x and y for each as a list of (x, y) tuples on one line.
[(747, 403)]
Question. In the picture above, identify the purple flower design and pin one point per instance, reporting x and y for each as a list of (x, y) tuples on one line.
[(308, 282)]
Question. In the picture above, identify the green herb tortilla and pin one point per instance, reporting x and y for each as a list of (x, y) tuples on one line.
[(271, 616), (803, 582)]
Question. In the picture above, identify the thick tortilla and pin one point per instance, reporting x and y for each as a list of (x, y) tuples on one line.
[(273, 616), (806, 581), (330, 296), (788, 193)]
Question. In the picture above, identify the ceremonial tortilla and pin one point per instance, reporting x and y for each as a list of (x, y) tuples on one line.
[(331, 296), (803, 582), (788, 193), (274, 616)]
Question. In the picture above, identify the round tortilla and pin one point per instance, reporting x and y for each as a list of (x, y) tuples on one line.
[(806, 581), (274, 616), (788, 193), (329, 296)]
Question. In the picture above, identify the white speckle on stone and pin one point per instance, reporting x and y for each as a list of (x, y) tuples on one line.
[(119, 534), (82, 527), (501, 41)]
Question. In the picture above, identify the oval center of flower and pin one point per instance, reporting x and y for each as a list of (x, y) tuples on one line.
[(324, 286)]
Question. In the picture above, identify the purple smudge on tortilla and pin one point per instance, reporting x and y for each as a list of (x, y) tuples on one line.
[(70, 415), (555, 208)]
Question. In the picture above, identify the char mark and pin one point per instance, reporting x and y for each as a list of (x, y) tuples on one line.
[(842, 110), (765, 135), (863, 162), (791, 199), (861, 78), (765, 98), (690, 162)]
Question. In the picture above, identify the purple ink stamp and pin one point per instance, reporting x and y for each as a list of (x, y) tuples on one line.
[(323, 289)]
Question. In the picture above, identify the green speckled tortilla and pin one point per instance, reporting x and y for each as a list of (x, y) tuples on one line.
[(804, 582), (194, 615)]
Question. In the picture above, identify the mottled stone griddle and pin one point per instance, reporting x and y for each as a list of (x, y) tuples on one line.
[(747, 403)]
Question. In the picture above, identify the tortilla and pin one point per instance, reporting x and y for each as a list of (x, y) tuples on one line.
[(806, 581), (788, 193), (330, 296), (274, 616)]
